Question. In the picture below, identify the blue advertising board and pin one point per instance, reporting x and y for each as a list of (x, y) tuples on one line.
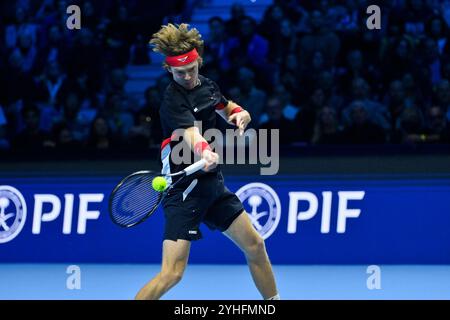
[(309, 219)]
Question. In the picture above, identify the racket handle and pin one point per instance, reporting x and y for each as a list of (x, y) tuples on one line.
[(195, 167)]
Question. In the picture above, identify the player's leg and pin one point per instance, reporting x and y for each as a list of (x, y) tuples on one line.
[(242, 233), (183, 216), (174, 261)]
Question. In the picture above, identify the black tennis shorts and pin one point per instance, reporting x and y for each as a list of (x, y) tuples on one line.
[(205, 199)]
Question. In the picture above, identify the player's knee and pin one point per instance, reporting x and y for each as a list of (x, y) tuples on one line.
[(257, 248), (177, 276), (171, 277)]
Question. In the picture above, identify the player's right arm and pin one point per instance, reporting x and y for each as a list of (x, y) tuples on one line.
[(175, 116), (200, 146)]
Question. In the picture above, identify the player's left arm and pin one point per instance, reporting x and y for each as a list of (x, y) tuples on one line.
[(235, 114)]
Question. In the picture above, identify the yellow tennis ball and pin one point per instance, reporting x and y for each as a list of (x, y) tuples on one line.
[(159, 184)]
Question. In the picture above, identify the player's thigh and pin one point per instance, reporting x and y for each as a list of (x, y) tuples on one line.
[(175, 255), (225, 209), (242, 233)]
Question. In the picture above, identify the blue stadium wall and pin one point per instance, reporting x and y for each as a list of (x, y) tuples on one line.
[(315, 218)]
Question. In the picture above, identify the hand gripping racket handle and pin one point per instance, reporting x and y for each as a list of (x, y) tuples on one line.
[(195, 167)]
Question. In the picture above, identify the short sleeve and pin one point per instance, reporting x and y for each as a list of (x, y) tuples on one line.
[(222, 100)]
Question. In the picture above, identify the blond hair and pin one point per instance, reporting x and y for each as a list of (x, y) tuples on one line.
[(173, 40)]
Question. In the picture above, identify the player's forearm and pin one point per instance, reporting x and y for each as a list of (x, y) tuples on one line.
[(195, 140)]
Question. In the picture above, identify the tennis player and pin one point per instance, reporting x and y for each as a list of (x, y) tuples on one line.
[(202, 197)]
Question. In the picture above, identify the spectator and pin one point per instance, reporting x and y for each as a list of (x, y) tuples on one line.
[(377, 112), (118, 114), (27, 50), (411, 129), (443, 96), (85, 46), (21, 26), (413, 92), (290, 108), (415, 16), (361, 129), (31, 139), (139, 52), (276, 120), (16, 83), (150, 110), (356, 67), (119, 37), (76, 118), (101, 137), (140, 134), (249, 48), (270, 26), (398, 59), (437, 29), (90, 15), (65, 141), (219, 45), (438, 126), (319, 40), (52, 85), (53, 50), (251, 98), (289, 75), (326, 128), (343, 17), (431, 64), (233, 24), (395, 101), (306, 118)]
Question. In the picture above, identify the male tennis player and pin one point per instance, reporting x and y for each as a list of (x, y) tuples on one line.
[(202, 197)]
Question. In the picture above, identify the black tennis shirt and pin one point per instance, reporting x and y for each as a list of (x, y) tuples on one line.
[(181, 108)]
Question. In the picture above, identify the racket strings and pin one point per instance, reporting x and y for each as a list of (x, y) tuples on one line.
[(134, 199)]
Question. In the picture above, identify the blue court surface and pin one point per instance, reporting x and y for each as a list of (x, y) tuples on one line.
[(225, 282)]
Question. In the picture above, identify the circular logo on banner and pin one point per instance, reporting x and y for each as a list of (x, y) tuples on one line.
[(263, 207), (13, 212)]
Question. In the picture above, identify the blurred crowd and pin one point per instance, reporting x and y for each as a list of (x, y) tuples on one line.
[(64, 90), (309, 68), (314, 70)]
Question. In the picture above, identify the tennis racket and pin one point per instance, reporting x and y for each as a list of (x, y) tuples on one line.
[(133, 200)]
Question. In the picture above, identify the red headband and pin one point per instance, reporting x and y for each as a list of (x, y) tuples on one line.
[(182, 59)]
